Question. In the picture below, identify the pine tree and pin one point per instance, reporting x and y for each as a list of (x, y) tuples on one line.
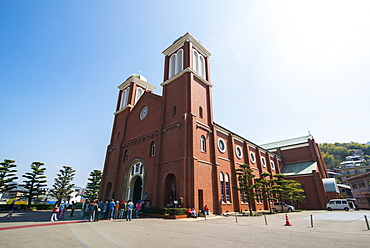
[(93, 186), (7, 175), (35, 181), (264, 187), (246, 187), (62, 185)]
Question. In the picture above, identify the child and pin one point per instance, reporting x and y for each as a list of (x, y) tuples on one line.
[(54, 214)]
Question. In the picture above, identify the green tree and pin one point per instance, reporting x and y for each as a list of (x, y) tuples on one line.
[(62, 183), (263, 187), (246, 187), (93, 186), (34, 182), (7, 175), (287, 189)]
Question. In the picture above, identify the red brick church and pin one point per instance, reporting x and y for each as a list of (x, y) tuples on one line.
[(168, 148)]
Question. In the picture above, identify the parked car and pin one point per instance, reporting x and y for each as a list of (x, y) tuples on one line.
[(340, 204), (282, 206)]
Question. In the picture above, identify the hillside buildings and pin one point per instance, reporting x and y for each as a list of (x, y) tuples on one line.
[(168, 150)]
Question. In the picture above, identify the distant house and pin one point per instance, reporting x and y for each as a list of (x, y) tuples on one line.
[(360, 185)]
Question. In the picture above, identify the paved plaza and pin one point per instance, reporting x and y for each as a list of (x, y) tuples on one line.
[(331, 229)]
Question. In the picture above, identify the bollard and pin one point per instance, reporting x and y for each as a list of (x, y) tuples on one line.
[(236, 218), (264, 215), (311, 221), (367, 223)]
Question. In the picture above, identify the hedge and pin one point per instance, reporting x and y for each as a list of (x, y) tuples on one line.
[(165, 211)]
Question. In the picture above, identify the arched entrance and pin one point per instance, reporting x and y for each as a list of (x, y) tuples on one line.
[(138, 185), (170, 190), (135, 183)]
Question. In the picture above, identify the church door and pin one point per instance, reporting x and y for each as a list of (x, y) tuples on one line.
[(137, 190)]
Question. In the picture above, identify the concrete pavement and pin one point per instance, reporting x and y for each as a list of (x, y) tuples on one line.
[(31, 229)]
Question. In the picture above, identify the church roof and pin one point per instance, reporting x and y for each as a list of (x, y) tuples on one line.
[(298, 168), (180, 42), (287, 142)]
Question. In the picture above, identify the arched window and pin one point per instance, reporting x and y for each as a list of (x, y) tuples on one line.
[(174, 111), (222, 187), (203, 143), (125, 157), (202, 66), (124, 97), (152, 149), (179, 63), (227, 188), (172, 66), (200, 112), (195, 61), (139, 93), (199, 64), (176, 63)]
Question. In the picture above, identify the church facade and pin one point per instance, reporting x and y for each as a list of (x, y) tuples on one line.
[(167, 149)]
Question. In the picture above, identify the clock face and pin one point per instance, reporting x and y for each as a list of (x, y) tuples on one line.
[(143, 113)]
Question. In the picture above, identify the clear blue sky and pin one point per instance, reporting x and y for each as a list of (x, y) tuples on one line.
[(278, 68)]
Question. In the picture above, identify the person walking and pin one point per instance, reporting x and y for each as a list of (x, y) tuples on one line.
[(61, 210), (55, 213), (130, 207), (73, 207), (138, 208), (11, 209)]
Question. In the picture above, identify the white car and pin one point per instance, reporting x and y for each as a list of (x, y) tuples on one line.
[(335, 204)]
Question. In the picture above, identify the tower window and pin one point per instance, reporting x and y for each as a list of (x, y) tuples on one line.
[(152, 149), (124, 97), (199, 64), (139, 93), (176, 63), (200, 112), (174, 111), (202, 143)]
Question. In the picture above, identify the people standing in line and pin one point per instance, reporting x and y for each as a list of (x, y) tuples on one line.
[(101, 207), (91, 211), (138, 208), (85, 208), (130, 207), (125, 210), (111, 206), (73, 207), (116, 210), (105, 210), (96, 211), (122, 210), (11, 209), (55, 213)]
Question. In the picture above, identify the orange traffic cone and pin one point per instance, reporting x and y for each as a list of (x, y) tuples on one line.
[(287, 222)]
